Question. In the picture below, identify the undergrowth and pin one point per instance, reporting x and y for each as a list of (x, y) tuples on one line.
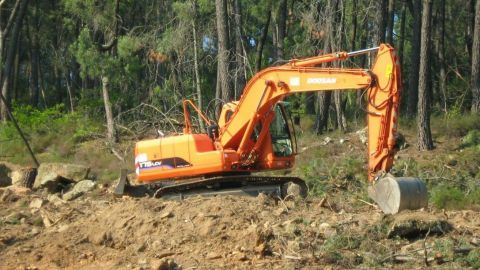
[(52, 133), (57, 136)]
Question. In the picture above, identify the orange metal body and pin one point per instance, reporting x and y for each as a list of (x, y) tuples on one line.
[(246, 141)]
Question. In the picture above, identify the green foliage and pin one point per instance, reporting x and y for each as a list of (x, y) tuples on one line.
[(471, 139), (459, 125), (342, 241), (444, 247), (86, 53), (448, 198), (452, 197), (473, 259), (50, 131)]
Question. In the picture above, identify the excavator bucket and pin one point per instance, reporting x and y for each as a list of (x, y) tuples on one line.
[(394, 194)]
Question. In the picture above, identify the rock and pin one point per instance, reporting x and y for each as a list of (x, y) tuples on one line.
[(327, 140), (24, 177), (63, 228), (167, 214), (17, 177), (104, 239), (327, 230), (475, 241), (296, 190), (55, 200), (79, 189), (280, 211), (240, 256), (159, 265), (8, 195), (162, 265), (5, 179), (142, 261), (36, 203), (34, 231), (362, 135), (261, 249), (50, 174), (213, 255), (263, 199)]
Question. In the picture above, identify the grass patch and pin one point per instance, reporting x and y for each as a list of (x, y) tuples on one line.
[(456, 125), (473, 259), (472, 139), (52, 133), (342, 241), (448, 197)]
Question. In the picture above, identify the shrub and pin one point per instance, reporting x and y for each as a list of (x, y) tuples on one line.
[(52, 132), (471, 139), (459, 125), (448, 198)]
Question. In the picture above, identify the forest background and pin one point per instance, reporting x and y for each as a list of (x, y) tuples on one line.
[(75, 70)]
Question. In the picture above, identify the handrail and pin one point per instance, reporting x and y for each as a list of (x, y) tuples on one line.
[(188, 124)]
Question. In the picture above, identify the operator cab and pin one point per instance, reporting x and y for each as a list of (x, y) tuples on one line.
[(282, 133)]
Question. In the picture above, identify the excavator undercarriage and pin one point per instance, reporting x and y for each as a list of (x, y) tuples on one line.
[(240, 185)]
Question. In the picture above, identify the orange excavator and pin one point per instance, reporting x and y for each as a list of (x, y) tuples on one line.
[(255, 134)]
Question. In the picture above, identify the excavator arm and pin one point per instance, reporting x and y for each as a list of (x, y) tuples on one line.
[(267, 88)]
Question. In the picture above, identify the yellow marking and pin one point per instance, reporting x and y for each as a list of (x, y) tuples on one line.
[(388, 70)]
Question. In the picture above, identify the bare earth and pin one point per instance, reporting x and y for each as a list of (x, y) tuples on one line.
[(99, 231)]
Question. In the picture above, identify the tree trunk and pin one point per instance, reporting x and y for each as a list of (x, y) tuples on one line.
[(363, 59), (469, 30), (58, 84), (412, 96), (223, 49), (379, 23), (475, 80), (111, 133), (261, 43), (10, 54), (390, 22), (401, 43), (425, 141), (16, 70), (323, 104), (324, 97), (337, 43), (281, 29), (442, 76), (240, 70), (69, 84), (354, 24), (32, 62), (195, 64)]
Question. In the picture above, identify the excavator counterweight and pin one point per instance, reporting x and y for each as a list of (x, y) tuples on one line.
[(255, 134)]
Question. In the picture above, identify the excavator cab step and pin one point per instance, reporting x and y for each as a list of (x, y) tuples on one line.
[(394, 194)]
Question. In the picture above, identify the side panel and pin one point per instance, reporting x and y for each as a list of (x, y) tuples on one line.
[(178, 157)]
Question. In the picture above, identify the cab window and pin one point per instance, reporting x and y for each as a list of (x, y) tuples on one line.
[(280, 135)]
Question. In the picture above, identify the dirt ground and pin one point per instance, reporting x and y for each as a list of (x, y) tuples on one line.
[(99, 231)]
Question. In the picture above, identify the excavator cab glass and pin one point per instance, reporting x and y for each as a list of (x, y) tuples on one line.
[(281, 133)]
